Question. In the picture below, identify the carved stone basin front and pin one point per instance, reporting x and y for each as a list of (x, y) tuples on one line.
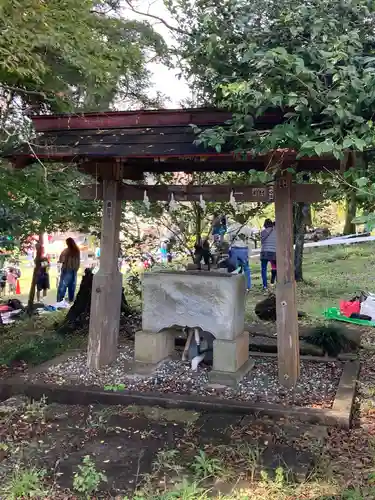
[(213, 301)]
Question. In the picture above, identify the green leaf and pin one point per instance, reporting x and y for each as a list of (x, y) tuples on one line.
[(308, 145), (359, 143), (364, 219), (324, 147), (362, 181), (337, 154), (247, 56)]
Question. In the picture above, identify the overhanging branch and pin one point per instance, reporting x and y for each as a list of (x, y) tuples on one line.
[(156, 18)]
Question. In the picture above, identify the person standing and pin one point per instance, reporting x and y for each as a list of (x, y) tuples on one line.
[(169, 251), (164, 251), (218, 228), (268, 248), (70, 260)]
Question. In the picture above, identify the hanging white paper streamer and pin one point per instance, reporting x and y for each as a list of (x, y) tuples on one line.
[(172, 204), (146, 200), (232, 200), (202, 203)]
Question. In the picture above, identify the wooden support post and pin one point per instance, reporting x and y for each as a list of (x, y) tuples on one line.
[(286, 305), (107, 284)]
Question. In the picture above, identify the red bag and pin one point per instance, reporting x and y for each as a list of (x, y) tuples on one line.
[(347, 308)]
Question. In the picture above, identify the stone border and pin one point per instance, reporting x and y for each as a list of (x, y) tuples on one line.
[(339, 415), (345, 395), (309, 357), (6, 386)]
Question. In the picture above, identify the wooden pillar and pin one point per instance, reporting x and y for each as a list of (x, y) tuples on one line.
[(286, 304), (107, 284)]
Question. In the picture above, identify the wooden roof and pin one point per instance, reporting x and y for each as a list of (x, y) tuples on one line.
[(151, 141)]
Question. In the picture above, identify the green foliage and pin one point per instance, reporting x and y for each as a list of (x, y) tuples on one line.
[(311, 60), (38, 200), (185, 491), (25, 483), (355, 494), (70, 56), (134, 283), (88, 479), (364, 219), (204, 466), (115, 387), (73, 54), (33, 349)]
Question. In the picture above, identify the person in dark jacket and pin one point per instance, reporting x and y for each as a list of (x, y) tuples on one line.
[(268, 248)]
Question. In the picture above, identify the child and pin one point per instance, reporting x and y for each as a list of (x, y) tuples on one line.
[(3, 282), (42, 280), (12, 281), (273, 271), (218, 228)]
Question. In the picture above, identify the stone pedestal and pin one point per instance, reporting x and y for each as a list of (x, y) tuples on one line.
[(151, 348), (231, 360), (212, 301), (195, 267)]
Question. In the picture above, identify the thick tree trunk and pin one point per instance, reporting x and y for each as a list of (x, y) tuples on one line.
[(351, 210), (78, 316), (39, 255), (300, 216)]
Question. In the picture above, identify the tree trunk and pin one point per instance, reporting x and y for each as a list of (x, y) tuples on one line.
[(301, 211), (39, 255), (78, 317), (351, 210)]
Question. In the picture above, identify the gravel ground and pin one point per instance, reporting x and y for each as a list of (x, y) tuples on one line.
[(316, 387)]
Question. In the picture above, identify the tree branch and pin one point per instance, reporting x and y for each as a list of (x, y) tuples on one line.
[(157, 18), (19, 90), (184, 244)]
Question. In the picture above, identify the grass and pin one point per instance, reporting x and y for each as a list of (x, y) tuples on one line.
[(205, 467), (34, 341), (25, 483), (329, 274)]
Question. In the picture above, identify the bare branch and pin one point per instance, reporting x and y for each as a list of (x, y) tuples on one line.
[(157, 18), (19, 90), (184, 243)]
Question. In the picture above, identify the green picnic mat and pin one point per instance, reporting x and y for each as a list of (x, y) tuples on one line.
[(334, 313)]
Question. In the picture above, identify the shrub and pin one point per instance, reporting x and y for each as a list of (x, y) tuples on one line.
[(331, 339)]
